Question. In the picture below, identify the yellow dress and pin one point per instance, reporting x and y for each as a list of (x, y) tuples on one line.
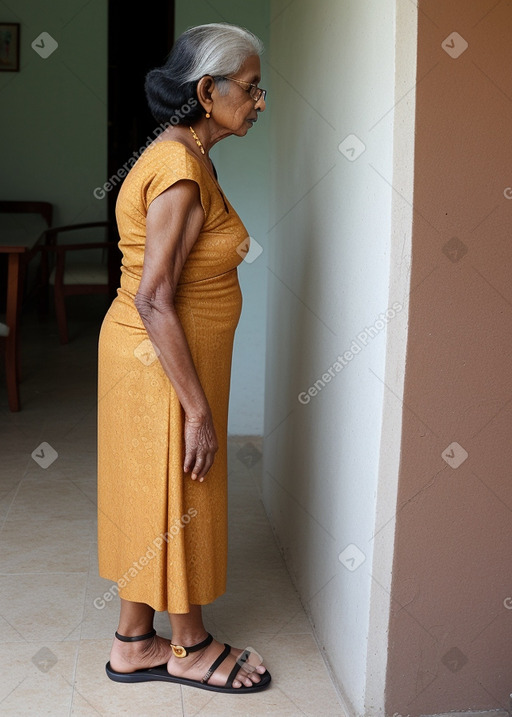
[(162, 536)]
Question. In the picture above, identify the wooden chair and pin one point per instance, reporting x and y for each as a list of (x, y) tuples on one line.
[(70, 277), (45, 209), (16, 269), (4, 333)]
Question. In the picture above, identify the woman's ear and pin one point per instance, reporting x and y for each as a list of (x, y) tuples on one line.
[(205, 88)]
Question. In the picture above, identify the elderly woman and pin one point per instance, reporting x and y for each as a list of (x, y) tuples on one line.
[(165, 351)]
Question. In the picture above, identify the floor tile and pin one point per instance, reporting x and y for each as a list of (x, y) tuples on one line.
[(47, 498), (96, 691), (45, 545), (37, 678), (41, 606)]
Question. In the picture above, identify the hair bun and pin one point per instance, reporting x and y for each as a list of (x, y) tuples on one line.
[(170, 101)]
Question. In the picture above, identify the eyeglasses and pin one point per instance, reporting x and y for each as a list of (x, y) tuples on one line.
[(255, 92)]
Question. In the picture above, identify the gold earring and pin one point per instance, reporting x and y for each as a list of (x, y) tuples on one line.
[(208, 115)]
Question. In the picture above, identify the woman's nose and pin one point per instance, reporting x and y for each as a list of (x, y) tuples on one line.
[(261, 105)]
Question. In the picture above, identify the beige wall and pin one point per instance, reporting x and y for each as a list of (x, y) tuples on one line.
[(450, 643)]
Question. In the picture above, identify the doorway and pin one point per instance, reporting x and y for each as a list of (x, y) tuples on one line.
[(137, 42)]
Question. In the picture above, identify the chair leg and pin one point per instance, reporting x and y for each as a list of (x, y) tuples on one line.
[(42, 298), (60, 311), (13, 392), (12, 343)]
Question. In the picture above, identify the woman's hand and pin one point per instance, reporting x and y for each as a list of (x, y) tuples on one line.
[(200, 445)]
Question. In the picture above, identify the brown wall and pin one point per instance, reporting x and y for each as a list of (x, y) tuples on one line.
[(450, 632)]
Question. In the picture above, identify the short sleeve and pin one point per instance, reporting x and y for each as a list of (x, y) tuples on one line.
[(168, 162)]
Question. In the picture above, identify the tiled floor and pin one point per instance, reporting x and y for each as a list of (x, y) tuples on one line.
[(54, 642)]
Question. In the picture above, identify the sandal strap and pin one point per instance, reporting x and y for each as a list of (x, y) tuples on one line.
[(226, 651), (238, 666), (181, 651), (123, 638)]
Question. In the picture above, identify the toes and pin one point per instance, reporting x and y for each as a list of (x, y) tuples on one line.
[(247, 681), (249, 675)]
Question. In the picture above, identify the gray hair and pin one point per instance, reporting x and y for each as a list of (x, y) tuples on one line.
[(217, 49)]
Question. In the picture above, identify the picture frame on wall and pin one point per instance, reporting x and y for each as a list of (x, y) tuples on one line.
[(9, 46)]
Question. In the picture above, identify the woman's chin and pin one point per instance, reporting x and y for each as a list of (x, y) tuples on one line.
[(242, 131)]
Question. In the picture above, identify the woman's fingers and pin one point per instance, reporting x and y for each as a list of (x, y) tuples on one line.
[(201, 469), (197, 456), (200, 447), (202, 465), (199, 464)]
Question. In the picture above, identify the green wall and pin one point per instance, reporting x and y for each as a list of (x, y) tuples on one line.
[(53, 122)]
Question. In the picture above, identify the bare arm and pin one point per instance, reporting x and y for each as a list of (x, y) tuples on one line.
[(173, 223)]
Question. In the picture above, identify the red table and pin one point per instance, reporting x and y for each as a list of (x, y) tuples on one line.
[(20, 234)]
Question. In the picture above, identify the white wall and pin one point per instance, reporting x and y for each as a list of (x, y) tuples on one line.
[(329, 280), (406, 32), (243, 167)]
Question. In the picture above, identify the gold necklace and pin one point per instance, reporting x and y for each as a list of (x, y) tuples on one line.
[(198, 141), (199, 144)]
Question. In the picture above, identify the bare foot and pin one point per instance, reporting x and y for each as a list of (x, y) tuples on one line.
[(195, 665), (131, 656)]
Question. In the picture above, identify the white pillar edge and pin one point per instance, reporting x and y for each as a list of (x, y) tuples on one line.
[(406, 31)]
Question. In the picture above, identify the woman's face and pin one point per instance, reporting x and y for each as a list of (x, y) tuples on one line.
[(236, 111)]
